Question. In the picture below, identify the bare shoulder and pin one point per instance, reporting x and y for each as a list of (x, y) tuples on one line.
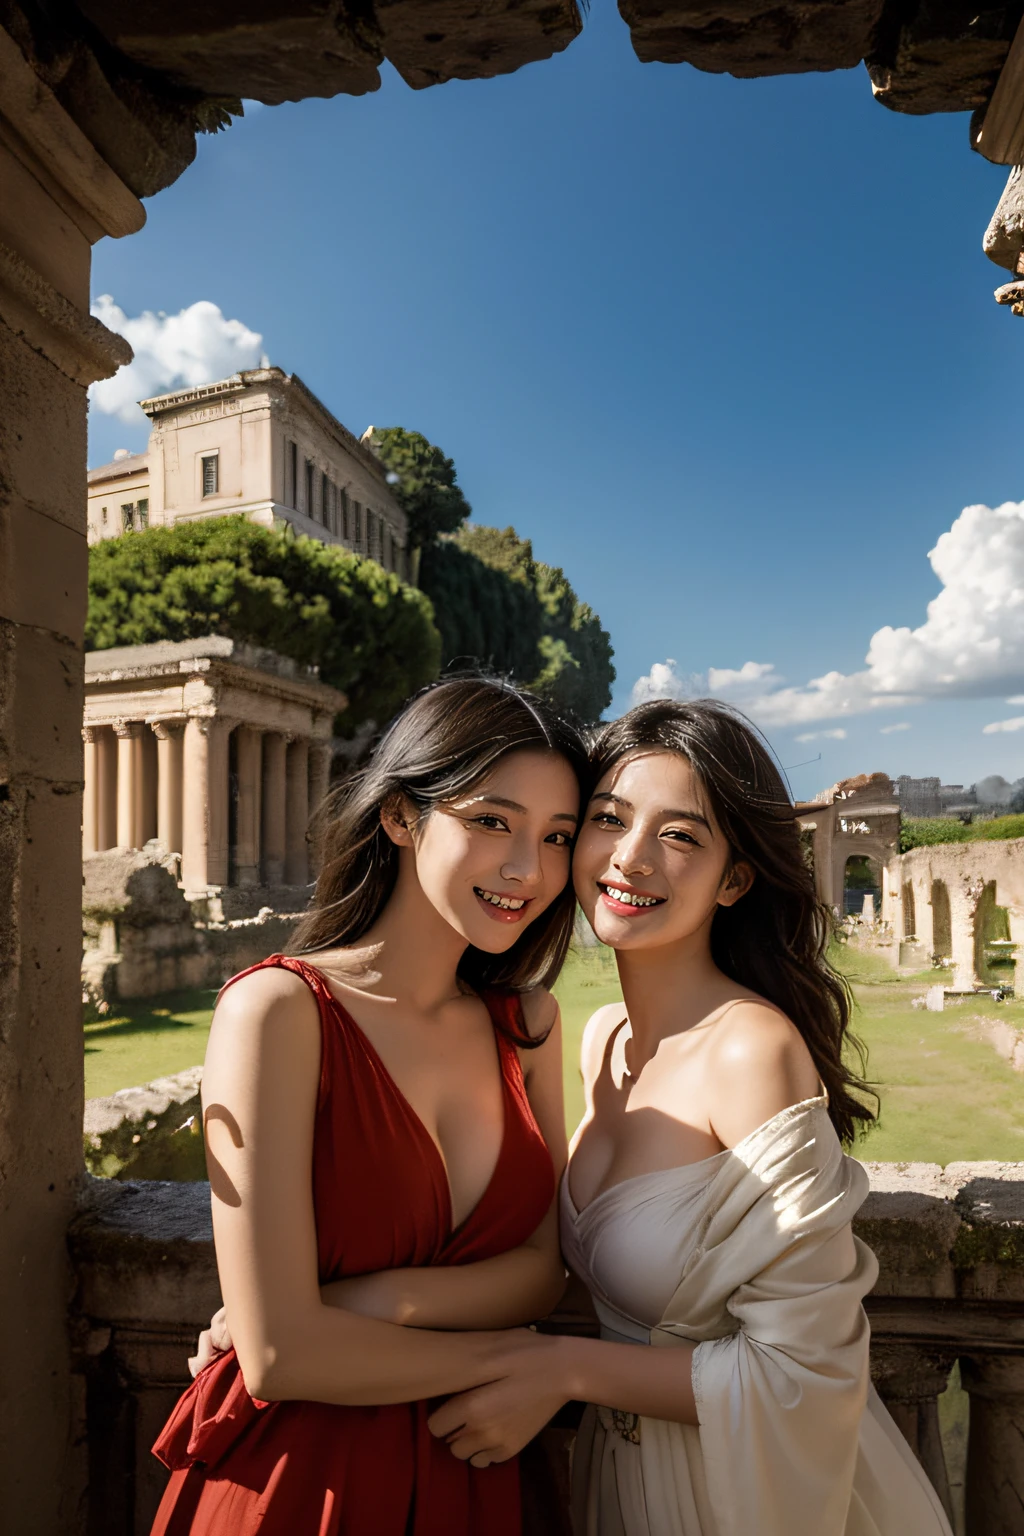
[(759, 1065), (596, 1034), (265, 1024), (540, 1012)]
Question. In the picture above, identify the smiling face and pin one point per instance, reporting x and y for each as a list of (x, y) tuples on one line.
[(651, 865), (492, 860)]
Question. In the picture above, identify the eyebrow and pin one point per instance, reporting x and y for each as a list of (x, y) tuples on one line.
[(513, 805), (669, 815)]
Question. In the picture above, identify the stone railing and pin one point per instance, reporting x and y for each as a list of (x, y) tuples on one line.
[(950, 1246)]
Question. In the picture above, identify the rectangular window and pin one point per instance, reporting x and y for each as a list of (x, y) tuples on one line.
[(308, 508), (127, 516), (357, 518), (142, 510), (104, 514), (211, 474), (325, 503), (344, 515), (292, 468)]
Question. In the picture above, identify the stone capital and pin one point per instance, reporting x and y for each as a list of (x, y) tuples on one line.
[(167, 730), (127, 730), (90, 734)]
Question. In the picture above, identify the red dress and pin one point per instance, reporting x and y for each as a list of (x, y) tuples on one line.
[(382, 1201)]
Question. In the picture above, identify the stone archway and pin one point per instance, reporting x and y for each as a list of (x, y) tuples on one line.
[(992, 934), (942, 922), (909, 912), (862, 879)]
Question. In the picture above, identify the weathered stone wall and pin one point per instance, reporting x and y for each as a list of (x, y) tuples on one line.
[(947, 885), (950, 1246), (151, 1132), (141, 936)]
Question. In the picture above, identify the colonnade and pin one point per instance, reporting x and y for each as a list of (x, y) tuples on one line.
[(233, 800)]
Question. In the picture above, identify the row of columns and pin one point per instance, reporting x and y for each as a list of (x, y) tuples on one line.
[(172, 783)]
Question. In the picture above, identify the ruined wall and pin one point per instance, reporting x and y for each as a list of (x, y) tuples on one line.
[(141, 937), (950, 886)]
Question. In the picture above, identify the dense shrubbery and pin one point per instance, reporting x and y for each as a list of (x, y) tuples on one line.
[(368, 632), (927, 832), (497, 605)]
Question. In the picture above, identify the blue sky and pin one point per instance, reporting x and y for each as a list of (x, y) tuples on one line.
[(725, 350)]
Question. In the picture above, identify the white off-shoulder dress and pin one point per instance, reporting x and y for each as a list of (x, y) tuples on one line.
[(750, 1255)]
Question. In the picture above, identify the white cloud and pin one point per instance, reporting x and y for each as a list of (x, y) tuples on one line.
[(901, 725), (837, 735), (1016, 724), (663, 682), (192, 347), (971, 643), (1016, 698)]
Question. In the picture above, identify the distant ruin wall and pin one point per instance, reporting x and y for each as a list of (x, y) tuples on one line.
[(141, 937), (934, 896)]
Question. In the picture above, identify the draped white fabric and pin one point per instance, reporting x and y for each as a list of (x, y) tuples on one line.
[(768, 1280)]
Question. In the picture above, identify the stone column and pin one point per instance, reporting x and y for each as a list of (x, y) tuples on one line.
[(247, 816), (204, 854), (91, 804), (58, 197), (909, 1381), (129, 787), (923, 923), (296, 867), (319, 783), (964, 896), (995, 1447), (273, 808), (169, 745)]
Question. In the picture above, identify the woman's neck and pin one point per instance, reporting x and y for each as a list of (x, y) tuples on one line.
[(416, 952), (669, 989)]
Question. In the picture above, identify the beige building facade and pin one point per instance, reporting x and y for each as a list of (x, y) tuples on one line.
[(261, 444), (217, 750)]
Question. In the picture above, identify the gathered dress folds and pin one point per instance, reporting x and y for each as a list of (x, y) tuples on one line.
[(382, 1201), (750, 1256)]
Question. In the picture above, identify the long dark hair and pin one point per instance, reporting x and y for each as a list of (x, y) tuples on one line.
[(774, 939), (440, 746)]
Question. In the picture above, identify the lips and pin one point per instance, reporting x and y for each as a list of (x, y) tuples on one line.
[(624, 901), (501, 906)]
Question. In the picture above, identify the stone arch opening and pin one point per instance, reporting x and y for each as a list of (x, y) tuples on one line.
[(909, 912), (993, 951), (862, 878), (942, 923)]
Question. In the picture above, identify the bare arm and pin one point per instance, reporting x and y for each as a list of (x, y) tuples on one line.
[(514, 1287), (761, 1066), (259, 1095)]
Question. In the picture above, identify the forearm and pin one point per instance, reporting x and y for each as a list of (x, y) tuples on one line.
[(331, 1356), (502, 1292), (657, 1383)]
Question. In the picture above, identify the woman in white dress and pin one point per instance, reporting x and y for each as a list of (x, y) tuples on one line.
[(708, 1200)]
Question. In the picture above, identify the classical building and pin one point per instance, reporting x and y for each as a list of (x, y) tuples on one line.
[(854, 825), (217, 750), (258, 443), (930, 797)]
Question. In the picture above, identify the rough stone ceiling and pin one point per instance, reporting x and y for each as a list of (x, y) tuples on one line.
[(142, 77)]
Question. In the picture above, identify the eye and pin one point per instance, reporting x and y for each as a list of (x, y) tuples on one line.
[(683, 837), (490, 822), (560, 839), (605, 818)]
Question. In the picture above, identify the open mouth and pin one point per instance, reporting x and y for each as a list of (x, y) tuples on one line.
[(620, 898), (505, 909)]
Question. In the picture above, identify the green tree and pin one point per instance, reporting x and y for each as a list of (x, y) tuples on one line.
[(497, 604), (369, 633), (423, 482)]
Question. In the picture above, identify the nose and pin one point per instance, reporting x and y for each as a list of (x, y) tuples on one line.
[(631, 856), (523, 867)]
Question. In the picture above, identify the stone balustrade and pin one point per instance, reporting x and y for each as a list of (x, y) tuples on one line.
[(950, 1245)]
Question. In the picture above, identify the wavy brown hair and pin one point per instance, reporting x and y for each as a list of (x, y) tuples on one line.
[(774, 940), (440, 747)]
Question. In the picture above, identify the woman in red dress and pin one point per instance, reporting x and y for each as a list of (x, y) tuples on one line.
[(384, 1133)]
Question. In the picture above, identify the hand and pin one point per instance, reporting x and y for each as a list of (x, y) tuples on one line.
[(213, 1341), (493, 1422)]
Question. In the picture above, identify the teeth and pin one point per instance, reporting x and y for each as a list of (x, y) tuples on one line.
[(507, 903), (629, 899)]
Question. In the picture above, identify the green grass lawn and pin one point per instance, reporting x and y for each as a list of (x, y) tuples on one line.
[(139, 1041), (946, 1093)]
